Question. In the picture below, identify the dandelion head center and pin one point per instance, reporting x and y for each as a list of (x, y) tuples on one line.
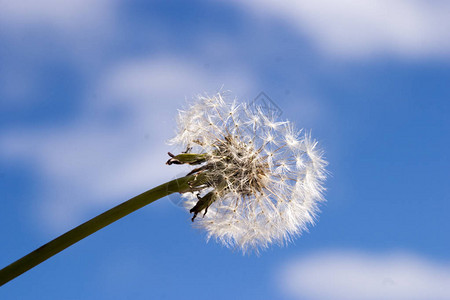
[(240, 165)]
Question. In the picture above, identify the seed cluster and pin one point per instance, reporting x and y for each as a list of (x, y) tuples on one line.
[(262, 179)]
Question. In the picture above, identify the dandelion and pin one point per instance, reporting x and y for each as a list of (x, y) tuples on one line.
[(259, 181), (255, 181)]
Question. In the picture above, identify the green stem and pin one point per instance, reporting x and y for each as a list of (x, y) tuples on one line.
[(78, 233)]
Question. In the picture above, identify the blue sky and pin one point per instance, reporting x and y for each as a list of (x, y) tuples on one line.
[(89, 92)]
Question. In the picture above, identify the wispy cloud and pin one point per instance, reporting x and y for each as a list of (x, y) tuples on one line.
[(116, 146), (355, 275), (59, 15), (365, 28), (37, 34)]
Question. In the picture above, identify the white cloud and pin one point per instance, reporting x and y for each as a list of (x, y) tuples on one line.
[(116, 147), (65, 15), (353, 275), (38, 33), (364, 28)]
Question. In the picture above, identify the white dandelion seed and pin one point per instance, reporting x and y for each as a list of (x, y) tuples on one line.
[(259, 180)]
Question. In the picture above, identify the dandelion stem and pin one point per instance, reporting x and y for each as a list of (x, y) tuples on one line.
[(78, 233)]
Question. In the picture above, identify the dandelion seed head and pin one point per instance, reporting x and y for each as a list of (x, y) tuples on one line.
[(264, 179)]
